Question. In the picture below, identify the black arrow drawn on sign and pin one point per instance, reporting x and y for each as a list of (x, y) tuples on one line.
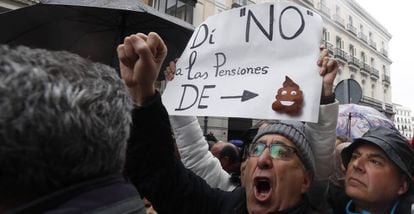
[(247, 95)]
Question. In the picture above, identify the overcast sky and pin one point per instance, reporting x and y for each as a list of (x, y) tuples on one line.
[(397, 17)]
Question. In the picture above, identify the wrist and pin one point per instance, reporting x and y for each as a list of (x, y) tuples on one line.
[(327, 99), (327, 91), (141, 95)]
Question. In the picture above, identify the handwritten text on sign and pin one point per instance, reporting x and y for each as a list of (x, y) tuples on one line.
[(245, 61)]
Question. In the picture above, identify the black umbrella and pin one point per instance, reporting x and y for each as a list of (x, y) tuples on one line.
[(91, 28)]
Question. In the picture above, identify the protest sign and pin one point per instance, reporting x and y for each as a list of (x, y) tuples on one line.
[(257, 61)]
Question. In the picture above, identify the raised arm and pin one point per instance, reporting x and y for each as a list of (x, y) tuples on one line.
[(151, 164), (193, 147), (195, 155), (322, 134)]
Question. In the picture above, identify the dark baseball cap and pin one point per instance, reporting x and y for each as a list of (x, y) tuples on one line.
[(394, 145)]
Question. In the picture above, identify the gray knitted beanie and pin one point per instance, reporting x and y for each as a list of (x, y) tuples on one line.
[(294, 132)]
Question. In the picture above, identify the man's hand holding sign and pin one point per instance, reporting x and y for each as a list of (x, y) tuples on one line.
[(244, 58)]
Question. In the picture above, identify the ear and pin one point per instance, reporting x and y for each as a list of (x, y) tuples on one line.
[(307, 180), (225, 162), (405, 183)]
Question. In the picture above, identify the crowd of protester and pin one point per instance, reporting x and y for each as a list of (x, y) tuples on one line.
[(77, 138)]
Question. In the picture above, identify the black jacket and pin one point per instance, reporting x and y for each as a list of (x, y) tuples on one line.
[(338, 200), (162, 178), (112, 194)]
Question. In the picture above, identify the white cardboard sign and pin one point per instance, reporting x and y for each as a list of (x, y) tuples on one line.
[(258, 61)]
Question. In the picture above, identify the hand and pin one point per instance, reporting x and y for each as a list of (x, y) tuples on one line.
[(140, 60), (170, 70), (329, 69)]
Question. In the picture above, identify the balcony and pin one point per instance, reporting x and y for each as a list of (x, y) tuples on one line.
[(353, 62), (389, 109), (341, 55), (374, 74), (328, 46), (339, 20), (369, 101), (309, 1), (384, 52), (365, 68), (324, 9), (386, 79), (379, 105), (351, 29), (241, 3), (363, 37), (238, 3), (373, 44)]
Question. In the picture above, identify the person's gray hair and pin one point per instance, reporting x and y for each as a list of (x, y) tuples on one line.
[(63, 119)]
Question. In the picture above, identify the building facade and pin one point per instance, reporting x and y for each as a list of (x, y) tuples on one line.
[(360, 44), (412, 126), (353, 37), (403, 120)]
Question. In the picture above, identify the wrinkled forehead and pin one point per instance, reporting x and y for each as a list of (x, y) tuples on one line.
[(271, 138), (370, 149)]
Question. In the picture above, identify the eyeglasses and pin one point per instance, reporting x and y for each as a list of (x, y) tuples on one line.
[(278, 150)]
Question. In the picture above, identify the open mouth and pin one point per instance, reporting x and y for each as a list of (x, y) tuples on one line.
[(262, 189), (287, 103)]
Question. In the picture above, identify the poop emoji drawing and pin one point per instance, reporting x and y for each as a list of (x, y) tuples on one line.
[(289, 98)]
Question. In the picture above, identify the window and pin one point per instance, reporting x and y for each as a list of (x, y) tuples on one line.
[(373, 90), (350, 20), (182, 9), (325, 35), (372, 62), (363, 57), (339, 42), (351, 50), (363, 86)]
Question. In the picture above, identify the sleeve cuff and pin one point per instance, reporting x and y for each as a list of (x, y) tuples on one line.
[(327, 99)]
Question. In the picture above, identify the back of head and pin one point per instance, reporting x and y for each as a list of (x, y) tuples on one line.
[(63, 120), (232, 152)]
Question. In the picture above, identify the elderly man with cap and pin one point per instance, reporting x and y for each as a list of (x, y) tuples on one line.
[(279, 169), (380, 166)]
